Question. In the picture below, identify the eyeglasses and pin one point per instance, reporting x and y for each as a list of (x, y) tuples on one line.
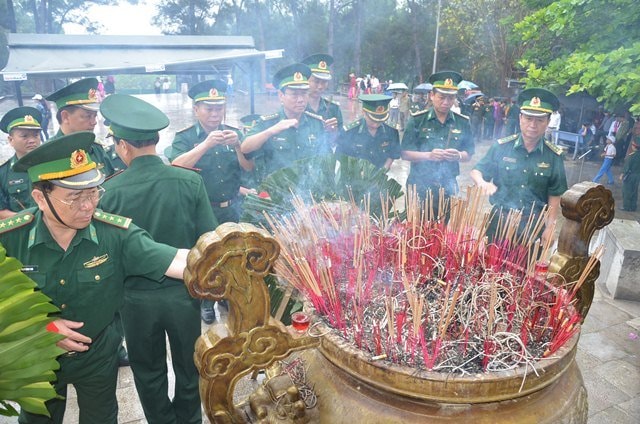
[(76, 203)]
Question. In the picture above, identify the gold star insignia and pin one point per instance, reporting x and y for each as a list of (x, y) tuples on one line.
[(10, 223), (2, 225), (111, 218), (18, 220)]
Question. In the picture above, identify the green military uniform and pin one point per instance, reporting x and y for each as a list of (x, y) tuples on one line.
[(307, 140), (85, 281), (328, 109), (631, 180), (219, 168), (477, 112), (356, 140), (488, 120), (523, 179), (423, 134), (152, 312), (15, 187), (84, 94), (319, 65)]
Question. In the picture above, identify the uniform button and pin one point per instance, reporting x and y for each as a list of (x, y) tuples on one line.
[(522, 186), (62, 282), (219, 167), (97, 277), (525, 171), (63, 306)]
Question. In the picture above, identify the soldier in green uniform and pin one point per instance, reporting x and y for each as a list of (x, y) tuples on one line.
[(22, 124), (436, 140), (213, 147), (369, 137), (318, 84), (523, 171), (78, 106), (488, 119), (154, 312), (80, 257), (293, 132), (631, 178)]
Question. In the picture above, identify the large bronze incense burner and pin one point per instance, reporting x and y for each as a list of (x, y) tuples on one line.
[(352, 386)]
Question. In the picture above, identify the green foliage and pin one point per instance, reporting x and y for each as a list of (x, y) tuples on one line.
[(27, 350), (325, 178), (593, 48)]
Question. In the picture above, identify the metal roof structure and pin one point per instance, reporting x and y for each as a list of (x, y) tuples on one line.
[(61, 55)]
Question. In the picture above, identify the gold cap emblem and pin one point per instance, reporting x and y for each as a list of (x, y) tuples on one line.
[(298, 77), (79, 158), (448, 82), (322, 64), (92, 95), (535, 102), (213, 93), (28, 118), (380, 109)]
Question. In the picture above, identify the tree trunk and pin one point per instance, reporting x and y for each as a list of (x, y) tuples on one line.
[(11, 18), (415, 32), (359, 5)]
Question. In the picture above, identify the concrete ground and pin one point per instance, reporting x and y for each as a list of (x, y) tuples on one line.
[(609, 347)]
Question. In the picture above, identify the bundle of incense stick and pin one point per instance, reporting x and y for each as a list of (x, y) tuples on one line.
[(428, 291)]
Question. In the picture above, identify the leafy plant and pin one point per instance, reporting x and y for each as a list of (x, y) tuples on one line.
[(27, 350)]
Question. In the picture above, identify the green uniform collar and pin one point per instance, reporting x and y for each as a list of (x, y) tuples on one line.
[(40, 234), (520, 143)]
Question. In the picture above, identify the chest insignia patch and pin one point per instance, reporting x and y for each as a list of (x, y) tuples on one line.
[(510, 160), (97, 260), (544, 165)]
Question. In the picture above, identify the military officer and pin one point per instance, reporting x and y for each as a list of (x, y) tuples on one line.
[(213, 147), (523, 171), (369, 137), (437, 139), (80, 257), (78, 106), (318, 84), (154, 312), (630, 178), (292, 133), (22, 124)]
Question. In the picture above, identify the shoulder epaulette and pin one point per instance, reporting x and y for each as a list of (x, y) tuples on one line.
[(112, 219), (5, 162), (269, 117), (184, 129), (16, 221), (186, 167), (331, 101), (505, 140), (420, 112), (314, 115), (115, 174), (351, 125), (460, 115), (555, 149)]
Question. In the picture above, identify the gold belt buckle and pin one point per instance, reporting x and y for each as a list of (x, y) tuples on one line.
[(224, 204)]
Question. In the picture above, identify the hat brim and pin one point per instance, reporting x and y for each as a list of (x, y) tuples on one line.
[(378, 117), (322, 76), (446, 90), (91, 178), (93, 107), (213, 102), (28, 127), (535, 113)]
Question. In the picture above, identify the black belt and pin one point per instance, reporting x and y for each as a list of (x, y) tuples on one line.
[(224, 204)]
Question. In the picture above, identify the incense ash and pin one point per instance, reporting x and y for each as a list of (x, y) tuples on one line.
[(425, 289)]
